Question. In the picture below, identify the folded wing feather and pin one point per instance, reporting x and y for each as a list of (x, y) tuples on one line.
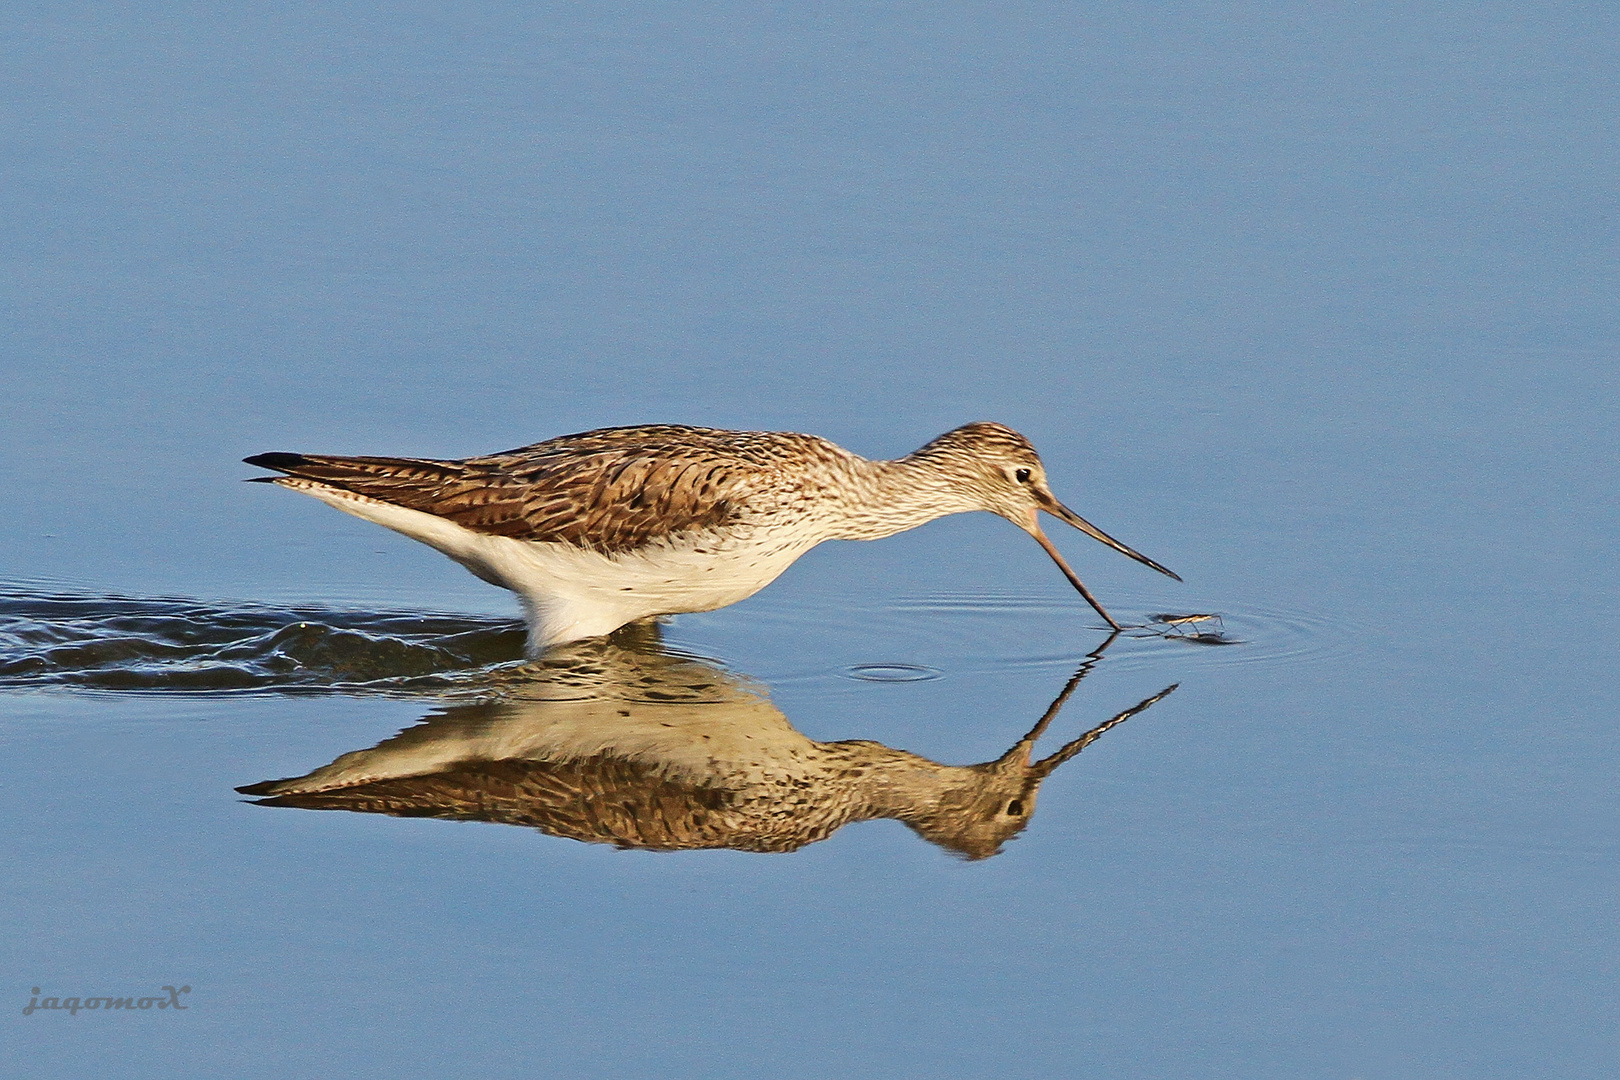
[(608, 491)]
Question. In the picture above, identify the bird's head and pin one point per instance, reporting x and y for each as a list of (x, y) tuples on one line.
[(999, 470)]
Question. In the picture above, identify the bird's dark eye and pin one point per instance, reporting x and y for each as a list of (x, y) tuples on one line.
[(1015, 807), (1022, 476)]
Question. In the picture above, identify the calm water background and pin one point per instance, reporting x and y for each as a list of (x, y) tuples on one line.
[(1315, 304)]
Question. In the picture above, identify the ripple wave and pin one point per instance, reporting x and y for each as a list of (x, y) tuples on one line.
[(114, 643)]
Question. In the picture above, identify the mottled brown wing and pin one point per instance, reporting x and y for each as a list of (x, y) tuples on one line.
[(601, 801), (609, 491)]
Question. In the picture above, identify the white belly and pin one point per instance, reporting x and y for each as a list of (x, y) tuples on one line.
[(570, 593)]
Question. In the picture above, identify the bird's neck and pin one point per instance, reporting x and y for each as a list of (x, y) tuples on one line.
[(881, 498), (958, 807), (889, 783)]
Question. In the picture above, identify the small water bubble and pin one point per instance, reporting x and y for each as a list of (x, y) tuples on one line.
[(892, 672)]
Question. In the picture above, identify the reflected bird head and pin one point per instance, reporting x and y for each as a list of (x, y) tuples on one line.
[(994, 801), (992, 804)]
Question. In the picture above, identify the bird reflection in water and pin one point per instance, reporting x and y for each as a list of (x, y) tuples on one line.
[(634, 746)]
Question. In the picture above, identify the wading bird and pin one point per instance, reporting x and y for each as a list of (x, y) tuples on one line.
[(604, 528)]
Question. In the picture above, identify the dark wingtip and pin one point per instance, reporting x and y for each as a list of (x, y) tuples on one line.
[(263, 787), (279, 462)]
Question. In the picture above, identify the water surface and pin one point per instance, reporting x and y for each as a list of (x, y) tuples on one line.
[(1313, 306)]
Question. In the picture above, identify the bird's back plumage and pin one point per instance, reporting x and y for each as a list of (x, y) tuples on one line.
[(610, 491)]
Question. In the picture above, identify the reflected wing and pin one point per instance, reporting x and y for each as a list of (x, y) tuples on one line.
[(611, 490), (601, 800)]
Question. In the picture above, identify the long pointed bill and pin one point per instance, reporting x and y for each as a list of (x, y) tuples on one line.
[(1063, 513), (1044, 767), (1073, 578), (1024, 745)]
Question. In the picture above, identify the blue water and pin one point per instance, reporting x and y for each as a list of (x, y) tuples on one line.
[(1314, 305)]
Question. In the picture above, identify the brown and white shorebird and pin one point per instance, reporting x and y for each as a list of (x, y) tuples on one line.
[(644, 749), (607, 527)]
